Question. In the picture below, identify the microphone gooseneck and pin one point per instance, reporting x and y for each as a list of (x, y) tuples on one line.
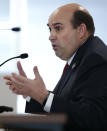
[(22, 56)]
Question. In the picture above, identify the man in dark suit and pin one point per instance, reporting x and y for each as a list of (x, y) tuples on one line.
[(81, 92)]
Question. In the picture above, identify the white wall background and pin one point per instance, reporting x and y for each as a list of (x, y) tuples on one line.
[(32, 16)]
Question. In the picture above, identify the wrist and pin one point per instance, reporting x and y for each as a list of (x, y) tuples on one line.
[(45, 100)]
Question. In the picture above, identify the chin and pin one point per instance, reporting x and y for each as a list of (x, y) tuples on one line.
[(65, 59), (61, 57)]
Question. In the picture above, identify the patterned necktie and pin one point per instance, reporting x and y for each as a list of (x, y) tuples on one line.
[(65, 69)]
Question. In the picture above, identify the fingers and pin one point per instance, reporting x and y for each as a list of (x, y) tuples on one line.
[(18, 78), (15, 84), (9, 83), (16, 87), (13, 89), (18, 81), (36, 72), (20, 69), (21, 72), (8, 78)]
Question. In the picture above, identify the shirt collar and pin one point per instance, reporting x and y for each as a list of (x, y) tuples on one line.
[(70, 59)]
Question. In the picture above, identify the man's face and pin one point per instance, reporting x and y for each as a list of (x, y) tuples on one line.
[(63, 37)]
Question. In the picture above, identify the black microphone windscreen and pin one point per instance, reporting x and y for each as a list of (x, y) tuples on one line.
[(16, 29), (5, 108), (24, 55)]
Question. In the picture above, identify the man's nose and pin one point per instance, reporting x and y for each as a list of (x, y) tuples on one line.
[(52, 36)]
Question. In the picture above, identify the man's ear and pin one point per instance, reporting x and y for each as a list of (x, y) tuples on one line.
[(82, 30)]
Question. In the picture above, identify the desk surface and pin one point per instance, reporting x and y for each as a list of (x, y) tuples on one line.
[(26, 118), (35, 121)]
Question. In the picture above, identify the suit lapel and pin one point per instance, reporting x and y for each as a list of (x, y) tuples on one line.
[(63, 80)]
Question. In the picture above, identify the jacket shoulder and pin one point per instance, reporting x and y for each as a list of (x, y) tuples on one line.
[(97, 50)]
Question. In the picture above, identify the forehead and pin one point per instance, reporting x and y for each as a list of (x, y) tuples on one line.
[(59, 16)]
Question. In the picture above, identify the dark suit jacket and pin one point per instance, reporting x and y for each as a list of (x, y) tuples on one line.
[(82, 93)]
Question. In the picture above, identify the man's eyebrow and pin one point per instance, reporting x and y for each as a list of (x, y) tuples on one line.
[(54, 24)]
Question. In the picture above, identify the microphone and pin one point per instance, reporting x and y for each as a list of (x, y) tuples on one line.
[(5, 108), (22, 56), (16, 29)]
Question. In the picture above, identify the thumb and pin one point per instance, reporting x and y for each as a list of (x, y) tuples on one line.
[(36, 72)]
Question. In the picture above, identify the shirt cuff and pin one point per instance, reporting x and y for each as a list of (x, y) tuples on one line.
[(28, 98), (49, 101)]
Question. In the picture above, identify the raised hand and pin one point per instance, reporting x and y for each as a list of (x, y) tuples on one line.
[(8, 78), (22, 85)]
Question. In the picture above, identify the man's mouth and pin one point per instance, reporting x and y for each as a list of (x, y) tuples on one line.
[(54, 47)]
